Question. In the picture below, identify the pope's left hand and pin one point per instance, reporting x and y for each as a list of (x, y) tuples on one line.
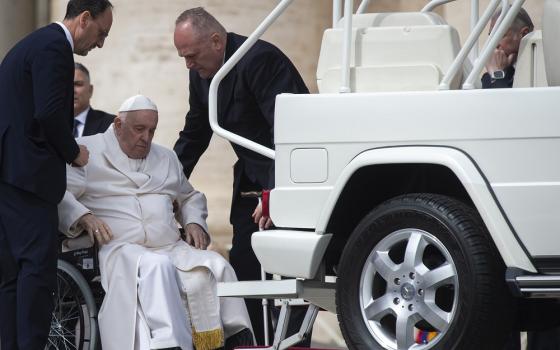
[(196, 236)]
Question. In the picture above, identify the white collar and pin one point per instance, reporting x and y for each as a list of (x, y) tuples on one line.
[(82, 116), (68, 35)]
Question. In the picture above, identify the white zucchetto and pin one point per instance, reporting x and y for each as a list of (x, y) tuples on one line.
[(137, 103)]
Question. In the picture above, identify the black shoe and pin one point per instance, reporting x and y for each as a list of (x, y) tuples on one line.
[(242, 338)]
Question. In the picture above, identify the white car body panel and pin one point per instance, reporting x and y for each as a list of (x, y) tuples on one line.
[(498, 129), (290, 253)]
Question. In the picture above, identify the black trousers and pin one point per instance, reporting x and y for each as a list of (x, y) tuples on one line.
[(544, 340), (247, 266), (28, 253)]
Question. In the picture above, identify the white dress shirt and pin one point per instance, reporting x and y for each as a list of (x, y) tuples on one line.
[(68, 35)]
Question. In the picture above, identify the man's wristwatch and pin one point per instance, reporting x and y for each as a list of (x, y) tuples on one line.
[(498, 74)]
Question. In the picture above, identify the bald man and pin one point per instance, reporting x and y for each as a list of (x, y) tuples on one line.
[(159, 288)]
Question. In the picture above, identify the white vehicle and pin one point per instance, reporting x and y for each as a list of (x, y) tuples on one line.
[(434, 203)]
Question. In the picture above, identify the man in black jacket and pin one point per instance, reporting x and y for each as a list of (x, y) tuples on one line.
[(500, 68), (87, 121), (246, 99), (35, 143)]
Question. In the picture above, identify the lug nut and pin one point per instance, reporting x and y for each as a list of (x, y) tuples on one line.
[(396, 301)]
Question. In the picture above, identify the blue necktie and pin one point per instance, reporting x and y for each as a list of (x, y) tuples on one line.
[(76, 132)]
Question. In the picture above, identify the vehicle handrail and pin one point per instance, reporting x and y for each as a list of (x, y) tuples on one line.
[(225, 69), (433, 4), (347, 46), (505, 9), (474, 20), (472, 39), (337, 10), (492, 42), (363, 6)]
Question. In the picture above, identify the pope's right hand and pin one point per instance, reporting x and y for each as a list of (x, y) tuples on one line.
[(96, 228), (82, 158)]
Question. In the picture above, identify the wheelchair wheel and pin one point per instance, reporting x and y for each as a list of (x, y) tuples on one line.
[(74, 319)]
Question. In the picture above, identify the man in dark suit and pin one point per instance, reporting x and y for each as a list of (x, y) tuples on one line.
[(87, 121), (500, 68), (35, 143), (246, 107)]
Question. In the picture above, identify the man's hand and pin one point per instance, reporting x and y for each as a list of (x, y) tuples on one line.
[(499, 61), (96, 229), (196, 236), (264, 222), (82, 158)]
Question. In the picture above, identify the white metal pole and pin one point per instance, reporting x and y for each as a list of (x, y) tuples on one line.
[(474, 20), (492, 43), (471, 40), (363, 6), (347, 46), (337, 8), (225, 69), (503, 13), (265, 312), (433, 4)]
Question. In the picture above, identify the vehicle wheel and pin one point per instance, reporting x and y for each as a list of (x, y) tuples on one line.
[(423, 263), (74, 323)]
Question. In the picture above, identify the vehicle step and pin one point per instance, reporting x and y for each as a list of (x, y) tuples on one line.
[(533, 285), (282, 289)]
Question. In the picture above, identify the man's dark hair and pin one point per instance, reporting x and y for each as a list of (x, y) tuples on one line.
[(95, 7), (521, 20), (201, 20), (83, 68)]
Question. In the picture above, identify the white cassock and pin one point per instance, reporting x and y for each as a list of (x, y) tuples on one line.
[(135, 198)]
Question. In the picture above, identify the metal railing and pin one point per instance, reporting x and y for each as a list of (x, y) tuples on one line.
[(471, 47), (497, 33)]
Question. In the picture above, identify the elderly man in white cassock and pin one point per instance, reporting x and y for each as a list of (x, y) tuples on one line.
[(160, 290)]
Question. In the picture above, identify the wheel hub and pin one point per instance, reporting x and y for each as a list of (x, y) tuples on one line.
[(393, 311), (408, 291)]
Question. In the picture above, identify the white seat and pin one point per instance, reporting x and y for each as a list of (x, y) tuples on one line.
[(393, 19), (551, 33), (529, 69), (390, 52)]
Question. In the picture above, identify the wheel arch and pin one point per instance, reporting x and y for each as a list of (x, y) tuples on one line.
[(434, 169)]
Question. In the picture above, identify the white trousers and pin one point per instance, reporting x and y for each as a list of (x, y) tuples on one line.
[(162, 319)]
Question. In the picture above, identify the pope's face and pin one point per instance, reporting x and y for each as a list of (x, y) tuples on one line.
[(135, 132), (203, 52)]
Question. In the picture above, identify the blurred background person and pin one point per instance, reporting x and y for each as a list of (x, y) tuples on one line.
[(87, 121)]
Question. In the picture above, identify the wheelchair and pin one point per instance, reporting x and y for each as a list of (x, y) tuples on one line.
[(77, 298)]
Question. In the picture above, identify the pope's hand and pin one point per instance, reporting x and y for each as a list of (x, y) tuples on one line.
[(97, 229), (82, 158), (196, 236)]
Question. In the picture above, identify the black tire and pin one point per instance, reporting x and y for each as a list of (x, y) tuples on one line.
[(451, 281), (74, 321)]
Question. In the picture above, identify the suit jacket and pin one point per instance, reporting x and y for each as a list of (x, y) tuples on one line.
[(246, 99), (36, 113), (97, 122), (507, 82)]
